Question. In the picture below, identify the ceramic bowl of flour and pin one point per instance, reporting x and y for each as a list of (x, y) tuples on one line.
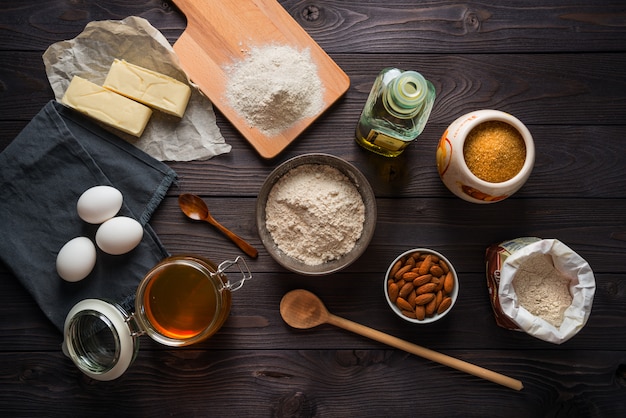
[(316, 214)]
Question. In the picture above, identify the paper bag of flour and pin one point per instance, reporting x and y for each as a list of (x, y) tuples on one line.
[(539, 286)]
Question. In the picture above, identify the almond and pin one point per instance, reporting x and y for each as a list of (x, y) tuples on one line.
[(418, 281), (395, 268), (425, 266), (444, 305), (436, 271), (431, 307), (409, 314), (410, 261), (448, 284), (420, 312), (444, 266), (424, 298), (409, 275), (426, 288), (411, 298), (400, 272), (415, 256), (393, 291), (405, 290), (403, 304), (439, 297)]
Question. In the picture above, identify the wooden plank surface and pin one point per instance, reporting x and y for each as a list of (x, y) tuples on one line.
[(220, 34), (557, 65)]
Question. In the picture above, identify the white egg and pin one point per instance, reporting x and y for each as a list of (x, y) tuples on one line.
[(99, 203), (119, 235), (76, 259)]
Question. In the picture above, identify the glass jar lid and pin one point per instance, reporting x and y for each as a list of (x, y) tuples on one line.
[(100, 338)]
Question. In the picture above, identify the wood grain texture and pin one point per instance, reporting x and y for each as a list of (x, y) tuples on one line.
[(557, 65), (538, 89), (255, 321), (468, 27), (221, 34), (364, 26), (289, 383)]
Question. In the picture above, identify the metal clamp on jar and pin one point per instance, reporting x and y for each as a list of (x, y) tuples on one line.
[(181, 301)]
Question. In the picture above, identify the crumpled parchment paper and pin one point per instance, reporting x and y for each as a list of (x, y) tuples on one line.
[(582, 288), (167, 138)]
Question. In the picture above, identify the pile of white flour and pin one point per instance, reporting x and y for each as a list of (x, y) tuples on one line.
[(541, 289), (315, 213), (274, 87)]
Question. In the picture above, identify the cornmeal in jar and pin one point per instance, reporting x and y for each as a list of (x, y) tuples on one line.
[(494, 151)]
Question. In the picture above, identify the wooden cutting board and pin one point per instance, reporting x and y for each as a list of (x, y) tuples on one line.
[(220, 32)]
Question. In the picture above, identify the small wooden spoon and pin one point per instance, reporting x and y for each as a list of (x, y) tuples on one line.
[(195, 208), (302, 309)]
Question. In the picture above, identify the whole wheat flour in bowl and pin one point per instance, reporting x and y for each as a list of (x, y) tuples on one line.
[(316, 214)]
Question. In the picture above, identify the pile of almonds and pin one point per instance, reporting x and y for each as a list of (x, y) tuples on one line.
[(420, 285)]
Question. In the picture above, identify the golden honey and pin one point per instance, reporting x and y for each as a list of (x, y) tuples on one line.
[(183, 301), (180, 302)]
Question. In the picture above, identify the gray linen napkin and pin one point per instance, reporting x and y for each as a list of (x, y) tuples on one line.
[(43, 171)]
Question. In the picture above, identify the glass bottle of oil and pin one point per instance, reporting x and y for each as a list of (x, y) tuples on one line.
[(395, 112)]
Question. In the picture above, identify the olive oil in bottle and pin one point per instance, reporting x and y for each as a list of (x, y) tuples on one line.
[(395, 112)]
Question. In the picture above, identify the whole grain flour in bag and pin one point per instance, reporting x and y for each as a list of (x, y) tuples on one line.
[(539, 286)]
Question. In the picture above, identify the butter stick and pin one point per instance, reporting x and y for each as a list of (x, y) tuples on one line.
[(106, 106), (148, 87)]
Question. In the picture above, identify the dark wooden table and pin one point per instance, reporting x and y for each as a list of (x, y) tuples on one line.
[(559, 66)]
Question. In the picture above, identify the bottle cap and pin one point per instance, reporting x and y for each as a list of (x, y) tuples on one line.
[(406, 93)]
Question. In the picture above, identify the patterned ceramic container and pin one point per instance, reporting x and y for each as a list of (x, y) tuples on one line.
[(454, 171)]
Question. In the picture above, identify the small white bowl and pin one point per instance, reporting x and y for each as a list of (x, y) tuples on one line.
[(436, 316), (454, 171)]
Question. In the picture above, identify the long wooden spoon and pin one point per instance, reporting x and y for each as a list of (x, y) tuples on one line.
[(302, 309), (195, 208)]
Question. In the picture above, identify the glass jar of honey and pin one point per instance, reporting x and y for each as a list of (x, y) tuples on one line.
[(181, 301)]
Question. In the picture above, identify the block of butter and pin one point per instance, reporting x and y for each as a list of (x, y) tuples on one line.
[(148, 87), (106, 106)]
